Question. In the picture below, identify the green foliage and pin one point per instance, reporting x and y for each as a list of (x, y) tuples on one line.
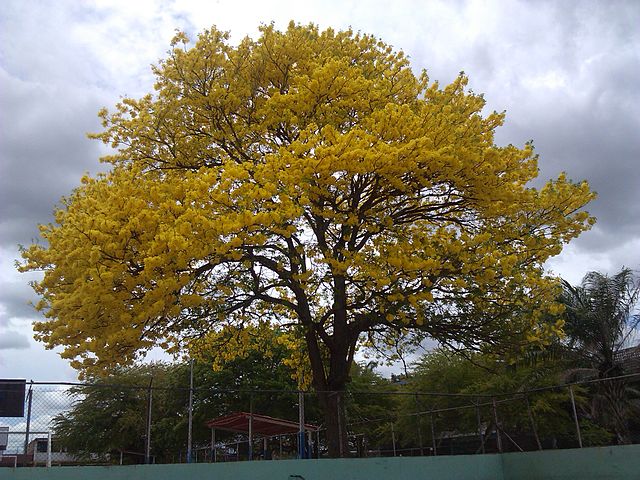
[(106, 417), (109, 416), (599, 318), (476, 378), (365, 410), (599, 321)]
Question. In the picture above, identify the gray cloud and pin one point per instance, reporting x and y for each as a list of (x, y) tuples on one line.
[(44, 151), (13, 341), (59, 64), (15, 301), (572, 88), (593, 139), (566, 72)]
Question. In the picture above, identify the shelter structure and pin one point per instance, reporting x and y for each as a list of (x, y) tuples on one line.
[(262, 426)]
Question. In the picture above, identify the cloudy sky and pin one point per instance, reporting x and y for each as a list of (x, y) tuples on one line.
[(566, 72)]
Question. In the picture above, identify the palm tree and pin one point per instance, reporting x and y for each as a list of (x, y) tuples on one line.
[(599, 322)]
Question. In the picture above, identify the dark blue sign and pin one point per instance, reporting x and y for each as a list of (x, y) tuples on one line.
[(12, 398)]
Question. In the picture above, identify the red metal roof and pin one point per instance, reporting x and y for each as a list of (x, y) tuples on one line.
[(262, 425)]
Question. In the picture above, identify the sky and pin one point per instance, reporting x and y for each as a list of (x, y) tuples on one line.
[(566, 73)]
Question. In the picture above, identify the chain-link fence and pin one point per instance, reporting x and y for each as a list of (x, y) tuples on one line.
[(128, 424)]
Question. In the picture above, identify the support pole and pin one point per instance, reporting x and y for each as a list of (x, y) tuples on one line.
[(213, 445), (512, 441), (301, 436), (533, 423), (495, 418), (575, 416), (433, 437), (251, 427), (49, 449), (418, 427), (147, 442), (29, 400), (189, 435), (393, 440), (340, 435), (480, 428)]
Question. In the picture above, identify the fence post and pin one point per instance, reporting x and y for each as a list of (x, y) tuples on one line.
[(26, 434), (479, 426), (495, 418), (147, 449), (251, 426), (213, 445), (189, 434), (418, 426), (393, 439), (433, 436), (301, 436), (341, 443), (49, 448), (533, 423), (575, 416)]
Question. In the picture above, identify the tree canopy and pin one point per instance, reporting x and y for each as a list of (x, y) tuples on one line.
[(311, 180)]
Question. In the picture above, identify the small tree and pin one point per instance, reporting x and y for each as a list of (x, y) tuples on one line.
[(369, 401), (109, 414), (475, 378), (599, 320), (310, 179)]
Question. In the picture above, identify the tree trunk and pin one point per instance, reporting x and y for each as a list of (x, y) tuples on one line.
[(329, 382), (333, 406), (331, 377)]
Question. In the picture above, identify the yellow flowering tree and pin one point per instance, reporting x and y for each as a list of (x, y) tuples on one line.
[(311, 180)]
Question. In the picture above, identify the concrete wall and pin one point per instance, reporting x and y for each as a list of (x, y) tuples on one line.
[(588, 464), (621, 462)]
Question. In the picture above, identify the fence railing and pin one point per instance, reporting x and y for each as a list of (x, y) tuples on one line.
[(78, 423)]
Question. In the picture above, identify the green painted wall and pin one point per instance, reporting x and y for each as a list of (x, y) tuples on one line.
[(589, 464), (463, 468), (621, 462)]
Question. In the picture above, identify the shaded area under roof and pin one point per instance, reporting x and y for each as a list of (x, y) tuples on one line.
[(261, 425)]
